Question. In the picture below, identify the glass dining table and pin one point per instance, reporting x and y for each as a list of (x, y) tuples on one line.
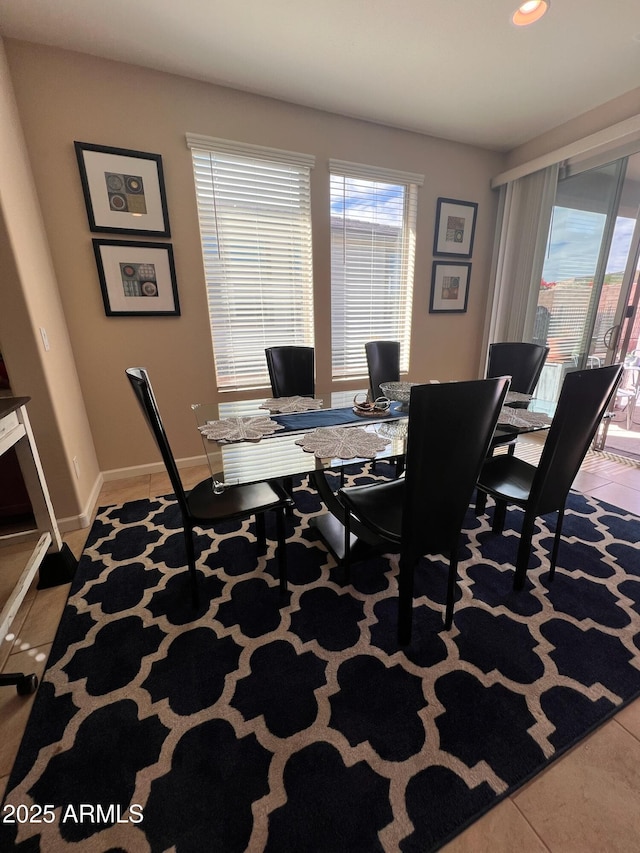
[(254, 441)]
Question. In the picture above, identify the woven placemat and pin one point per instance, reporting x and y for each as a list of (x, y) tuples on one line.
[(239, 429), (343, 443)]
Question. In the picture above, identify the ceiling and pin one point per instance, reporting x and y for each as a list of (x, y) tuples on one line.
[(457, 69)]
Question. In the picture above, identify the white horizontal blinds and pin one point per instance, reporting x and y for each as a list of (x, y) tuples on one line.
[(255, 226), (373, 218)]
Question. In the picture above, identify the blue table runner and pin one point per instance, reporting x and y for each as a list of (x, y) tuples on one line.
[(331, 417)]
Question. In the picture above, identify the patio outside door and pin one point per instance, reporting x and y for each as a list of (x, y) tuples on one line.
[(587, 307)]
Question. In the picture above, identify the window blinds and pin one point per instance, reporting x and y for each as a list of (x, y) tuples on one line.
[(373, 218), (255, 226)]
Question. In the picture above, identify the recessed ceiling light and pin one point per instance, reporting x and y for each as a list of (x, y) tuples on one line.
[(529, 12)]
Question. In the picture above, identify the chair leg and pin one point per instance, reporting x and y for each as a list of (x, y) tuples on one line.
[(261, 534), (524, 550), (556, 543), (481, 502), (282, 550), (25, 683), (451, 591), (405, 599), (346, 559), (191, 562), (287, 483), (499, 516)]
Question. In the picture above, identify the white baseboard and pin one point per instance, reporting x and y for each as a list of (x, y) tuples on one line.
[(74, 522), (150, 468)]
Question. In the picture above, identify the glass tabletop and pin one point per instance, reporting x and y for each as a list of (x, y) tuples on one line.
[(277, 454)]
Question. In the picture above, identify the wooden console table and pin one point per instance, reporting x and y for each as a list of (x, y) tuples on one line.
[(54, 559)]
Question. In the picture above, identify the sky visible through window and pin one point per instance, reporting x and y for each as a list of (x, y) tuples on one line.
[(370, 202), (574, 244)]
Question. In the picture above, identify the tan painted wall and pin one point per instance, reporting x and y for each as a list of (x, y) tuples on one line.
[(606, 115), (29, 300), (65, 96)]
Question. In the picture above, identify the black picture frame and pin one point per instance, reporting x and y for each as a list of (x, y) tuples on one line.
[(455, 227), (449, 287), (133, 274), (124, 190)]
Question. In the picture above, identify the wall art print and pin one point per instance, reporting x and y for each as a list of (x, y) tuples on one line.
[(449, 287), (455, 227), (137, 278), (123, 190)]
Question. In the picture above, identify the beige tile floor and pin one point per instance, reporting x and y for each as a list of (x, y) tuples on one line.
[(586, 802)]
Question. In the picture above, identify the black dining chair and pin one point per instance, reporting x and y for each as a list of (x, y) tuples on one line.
[(383, 363), (292, 374), (544, 488), (450, 427), (523, 362), (291, 371), (201, 507)]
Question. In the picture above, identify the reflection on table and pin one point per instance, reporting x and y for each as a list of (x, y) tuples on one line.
[(278, 455)]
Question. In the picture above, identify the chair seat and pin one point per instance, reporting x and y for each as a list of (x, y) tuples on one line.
[(507, 476), (380, 504), (233, 502)]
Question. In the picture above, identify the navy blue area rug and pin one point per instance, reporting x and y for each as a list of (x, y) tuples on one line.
[(253, 725)]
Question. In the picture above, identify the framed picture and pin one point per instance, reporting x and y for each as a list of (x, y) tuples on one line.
[(455, 227), (449, 287), (123, 190), (137, 278)]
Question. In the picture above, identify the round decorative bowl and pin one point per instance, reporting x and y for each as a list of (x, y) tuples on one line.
[(399, 391)]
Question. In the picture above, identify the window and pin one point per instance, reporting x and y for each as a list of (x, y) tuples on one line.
[(255, 226), (373, 218)]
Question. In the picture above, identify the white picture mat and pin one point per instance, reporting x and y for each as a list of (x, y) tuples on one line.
[(446, 270), (113, 256), (463, 211), (96, 163)]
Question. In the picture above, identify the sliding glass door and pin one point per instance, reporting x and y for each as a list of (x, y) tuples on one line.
[(587, 302)]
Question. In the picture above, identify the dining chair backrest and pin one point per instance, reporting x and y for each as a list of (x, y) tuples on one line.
[(291, 371), (383, 362), (521, 361), (583, 401), (450, 429), (139, 379)]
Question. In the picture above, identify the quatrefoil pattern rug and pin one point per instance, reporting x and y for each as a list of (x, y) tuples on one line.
[(262, 724)]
